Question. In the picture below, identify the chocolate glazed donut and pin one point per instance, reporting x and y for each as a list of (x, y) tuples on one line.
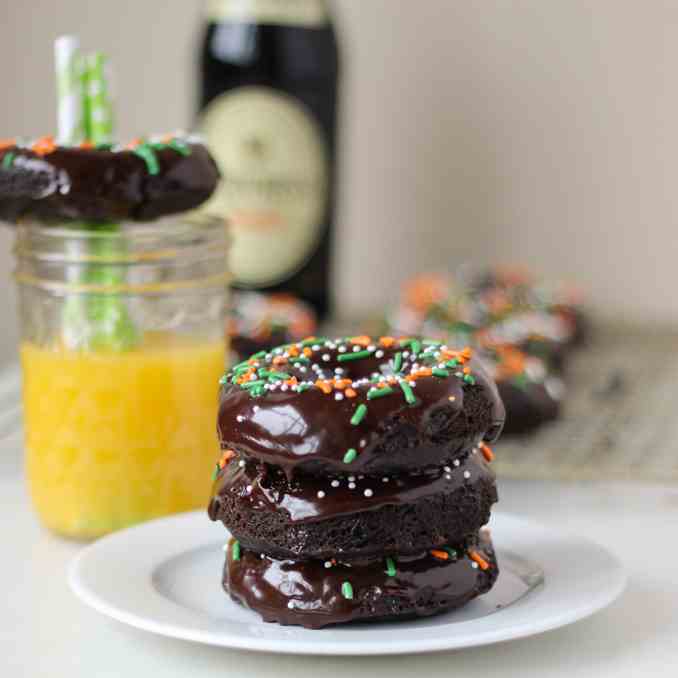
[(142, 182)]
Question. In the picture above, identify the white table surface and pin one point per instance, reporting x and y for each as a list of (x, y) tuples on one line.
[(46, 631)]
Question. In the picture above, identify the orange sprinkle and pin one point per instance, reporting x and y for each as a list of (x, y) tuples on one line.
[(440, 555), (342, 383), (292, 381), (311, 338), (482, 563), (467, 370), (307, 352), (226, 457), (44, 146), (425, 372), (386, 342), (362, 340), (279, 360), (350, 393), (134, 143), (293, 351), (487, 451), (87, 145), (467, 353), (7, 143), (324, 387)]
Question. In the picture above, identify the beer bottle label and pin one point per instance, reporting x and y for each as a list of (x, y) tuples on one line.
[(274, 162), (280, 12)]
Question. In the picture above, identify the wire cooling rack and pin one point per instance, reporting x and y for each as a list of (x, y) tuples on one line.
[(620, 415)]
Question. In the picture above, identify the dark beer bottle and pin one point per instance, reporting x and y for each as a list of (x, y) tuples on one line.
[(269, 72)]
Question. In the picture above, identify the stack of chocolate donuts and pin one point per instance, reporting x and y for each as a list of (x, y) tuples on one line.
[(355, 479)]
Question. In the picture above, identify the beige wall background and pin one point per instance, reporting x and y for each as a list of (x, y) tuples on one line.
[(543, 131)]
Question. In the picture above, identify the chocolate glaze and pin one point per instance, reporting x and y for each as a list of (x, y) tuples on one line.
[(309, 499), (74, 184), (311, 431), (310, 594)]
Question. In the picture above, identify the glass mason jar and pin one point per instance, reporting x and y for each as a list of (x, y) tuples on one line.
[(122, 348)]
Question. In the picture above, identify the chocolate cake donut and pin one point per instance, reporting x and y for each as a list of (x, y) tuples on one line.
[(353, 450), (140, 182), (318, 593)]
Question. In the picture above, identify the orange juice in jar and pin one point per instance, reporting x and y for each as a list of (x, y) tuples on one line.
[(121, 385)]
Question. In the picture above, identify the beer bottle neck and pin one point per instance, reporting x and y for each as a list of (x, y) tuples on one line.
[(303, 13)]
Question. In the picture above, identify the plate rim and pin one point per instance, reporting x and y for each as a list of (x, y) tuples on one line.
[(615, 585)]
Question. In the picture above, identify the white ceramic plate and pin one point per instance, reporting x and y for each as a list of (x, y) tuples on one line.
[(165, 576)]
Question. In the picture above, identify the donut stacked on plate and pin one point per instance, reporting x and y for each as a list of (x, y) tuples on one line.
[(524, 331), (355, 479)]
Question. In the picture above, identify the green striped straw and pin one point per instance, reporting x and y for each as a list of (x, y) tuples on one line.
[(69, 70), (95, 321)]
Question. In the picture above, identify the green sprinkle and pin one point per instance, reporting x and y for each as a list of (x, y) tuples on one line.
[(356, 355), (264, 373), (397, 362), (451, 552), (452, 363), (180, 147), (438, 372), (312, 342), (243, 365), (416, 347), (350, 456), (521, 381), (223, 380), (406, 342), (409, 393), (303, 387), (103, 147), (235, 550), (258, 355), (347, 590), (252, 384), (147, 154), (390, 567), (359, 414), (241, 368), (379, 392), (215, 473), (431, 342), (279, 376), (8, 160), (300, 359), (469, 379)]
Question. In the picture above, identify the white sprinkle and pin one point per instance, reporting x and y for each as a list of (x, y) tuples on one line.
[(384, 479), (290, 604), (474, 565), (253, 377), (456, 462), (360, 477), (248, 489), (255, 408), (269, 356), (328, 564), (330, 344), (351, 479), (240, 419), (413, 384), (448, 476), (368, 492), (406, 354), (284, 387), (351, 486), (338, 396), (342, 349), (321, 494), (363, 443), (467, 474), (356, 349), (241, 463), (447, 469), (379, 354), (302, 369), (335, 483), (338, 370), (371, 348), (315, 347), (225, 547), (326, 357)]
